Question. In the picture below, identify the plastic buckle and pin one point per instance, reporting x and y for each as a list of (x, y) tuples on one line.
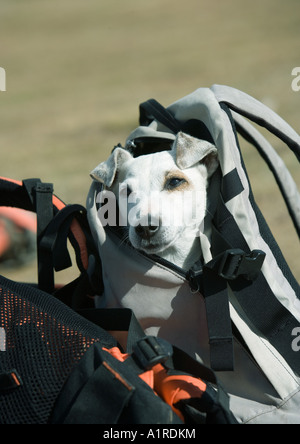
[(236, 263), (150, 351)]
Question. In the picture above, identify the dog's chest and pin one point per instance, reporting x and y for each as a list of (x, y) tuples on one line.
[(160, 298)]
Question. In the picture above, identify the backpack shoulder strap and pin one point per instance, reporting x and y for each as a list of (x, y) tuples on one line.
[(285, 181), (56, 222), (259, 113), (153, 110)]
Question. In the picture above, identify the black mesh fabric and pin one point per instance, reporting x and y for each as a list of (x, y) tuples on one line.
[(42, 339)]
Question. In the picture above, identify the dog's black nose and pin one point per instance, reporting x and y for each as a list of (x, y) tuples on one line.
[(147, 231)]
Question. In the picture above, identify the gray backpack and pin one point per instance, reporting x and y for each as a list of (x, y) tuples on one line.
[(238, 310)]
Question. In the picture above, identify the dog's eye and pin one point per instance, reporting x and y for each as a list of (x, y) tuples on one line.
[(175, 182)]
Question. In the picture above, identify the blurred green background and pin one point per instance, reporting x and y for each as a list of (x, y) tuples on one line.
[(77, 71)]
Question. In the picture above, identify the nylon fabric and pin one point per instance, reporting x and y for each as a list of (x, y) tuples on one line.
[(266, 375)]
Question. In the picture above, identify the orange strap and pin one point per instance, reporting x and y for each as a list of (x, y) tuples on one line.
[(171, 388), (175, 388), (22, 218)]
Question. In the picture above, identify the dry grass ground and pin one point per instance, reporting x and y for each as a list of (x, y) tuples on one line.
[(77, 71)]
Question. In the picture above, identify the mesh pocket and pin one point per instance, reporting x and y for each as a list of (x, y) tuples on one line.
[(42, 339)]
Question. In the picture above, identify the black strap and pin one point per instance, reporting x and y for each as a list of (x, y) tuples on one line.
[(206, 279), (256, 297), (231, 185), (44, 211), (260, 120), (41, 197), (215, 292), (212, 281), (54, 220), (152, 109), (53, 241), (284, 189)]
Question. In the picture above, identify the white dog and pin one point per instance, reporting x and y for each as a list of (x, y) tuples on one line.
[(162, 197)]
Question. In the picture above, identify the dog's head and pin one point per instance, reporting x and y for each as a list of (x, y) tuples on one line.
[(162, 196)]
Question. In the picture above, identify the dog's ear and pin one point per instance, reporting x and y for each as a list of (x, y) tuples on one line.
[(106, 171), (189, 151)]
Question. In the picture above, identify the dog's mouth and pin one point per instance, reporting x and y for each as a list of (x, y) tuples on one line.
[(155, 244), (153, 247)]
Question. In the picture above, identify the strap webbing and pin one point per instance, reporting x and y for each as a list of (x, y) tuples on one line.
[(258, 301), (280, 172), (154, 110), (218, 321), (41, 197), (44, 211), (53, 240)]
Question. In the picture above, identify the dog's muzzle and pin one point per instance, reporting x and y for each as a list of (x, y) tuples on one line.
[(146, 232)]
